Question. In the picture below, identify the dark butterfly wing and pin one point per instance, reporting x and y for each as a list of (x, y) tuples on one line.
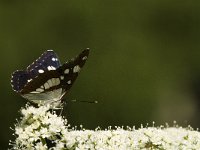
[(63, 77), (69, 71), (47, 61), (19, 79)]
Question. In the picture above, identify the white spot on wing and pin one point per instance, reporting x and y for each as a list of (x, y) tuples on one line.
[(51, 68), (66, 71), (50, 83), (46, 86), (39, 90), (62, 77), (57, 81), (76, 69), (41, 71), (84, 58), (35, 92), (29, 80), (53, 59), (69, 82), (53, 81)]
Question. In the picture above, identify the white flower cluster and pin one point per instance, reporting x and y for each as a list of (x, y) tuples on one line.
[(42, 129)]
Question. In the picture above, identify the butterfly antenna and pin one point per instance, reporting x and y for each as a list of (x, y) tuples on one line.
[(94, 102)]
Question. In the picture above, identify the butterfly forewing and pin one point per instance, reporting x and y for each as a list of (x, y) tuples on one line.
[(47, 61), (69, 71)]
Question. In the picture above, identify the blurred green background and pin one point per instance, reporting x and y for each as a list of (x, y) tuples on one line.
[(144, 63)]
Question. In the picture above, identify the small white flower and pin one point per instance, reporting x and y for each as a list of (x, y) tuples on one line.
[(40, 146)]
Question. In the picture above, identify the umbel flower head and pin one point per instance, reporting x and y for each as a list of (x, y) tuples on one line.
[(39, 128), (42, 129)]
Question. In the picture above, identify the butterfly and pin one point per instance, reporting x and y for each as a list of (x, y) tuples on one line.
[(46, 80)]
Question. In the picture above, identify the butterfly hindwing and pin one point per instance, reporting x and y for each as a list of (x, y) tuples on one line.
[(19, 79)]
